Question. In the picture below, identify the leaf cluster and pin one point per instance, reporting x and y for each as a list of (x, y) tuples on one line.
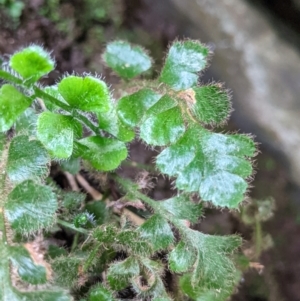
[(77, 121)]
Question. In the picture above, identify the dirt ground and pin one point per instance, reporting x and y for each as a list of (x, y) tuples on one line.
[(77, 44)]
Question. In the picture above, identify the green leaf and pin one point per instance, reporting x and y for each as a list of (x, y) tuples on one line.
[(57, 133), (110, 122), (157, 231), (120, 273), (53, 91), (163, 123), (215, 165), (152, 272), (30, 207), (12, 104), (72, 165), (71, 200), (32, 63), (183, 208), (100, 293), (213, 260), (183, 63), (85, 93), (104, 153), (27, 159), (131, 108), (66, 269), (182, 258), (132, 242), (27, 269), (126, 60), (200, 293), (212, 104), (26, 123)]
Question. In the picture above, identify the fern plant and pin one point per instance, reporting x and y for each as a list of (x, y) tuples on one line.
[(77, 124)]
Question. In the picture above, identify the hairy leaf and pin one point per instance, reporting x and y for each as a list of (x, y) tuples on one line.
[(200, 293), (157, 231), (32, 63), (126, 60), (120, 273), (182, 258), (30, 207), (67, 269), (163, 123), (183, 63), (27, 159), (110, 122), (72, 165), (85, 93), (213, 261), (212, 104), (27, 269), (100, 293), (26, 123), (103, 153), (132, 242), (183, 208), (57, 133), (12, 104), (131, 108), (212, 164)]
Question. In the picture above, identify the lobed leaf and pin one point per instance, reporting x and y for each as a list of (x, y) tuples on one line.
[(126, 60), (200, 293), (57, 133), (183, 63), (183, 208), (131, 108), (157, 232), (85, 93), (32, 63), (30, 207), (12, 104), (215, 165), (119, 274), (27, 159), (212, 104), (213, 261), (103, 153), (163, 123), (182, 258)]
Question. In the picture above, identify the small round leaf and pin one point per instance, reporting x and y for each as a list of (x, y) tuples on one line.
[(85, 93), (57, 133), (32, 63), (12, 104), (126, 60)]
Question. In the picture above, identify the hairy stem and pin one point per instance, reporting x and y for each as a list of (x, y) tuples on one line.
[(72, 227)]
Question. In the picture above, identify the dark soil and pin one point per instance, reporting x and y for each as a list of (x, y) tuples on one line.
[(79, 49)]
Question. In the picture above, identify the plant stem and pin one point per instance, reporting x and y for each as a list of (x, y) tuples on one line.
[(72, 227), (40, 93), (43, 95), (258, 238), (11, 78)]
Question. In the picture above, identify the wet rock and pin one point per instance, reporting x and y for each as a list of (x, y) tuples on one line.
[(258, 64)]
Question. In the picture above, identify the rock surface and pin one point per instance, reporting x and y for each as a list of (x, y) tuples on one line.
[(261, 68)]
